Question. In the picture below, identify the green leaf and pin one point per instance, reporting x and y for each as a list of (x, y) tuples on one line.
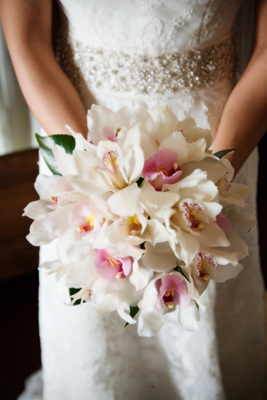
[(179, 269), (72, 292), (47, 143), (140, 182), (197, 305), (222, 153), (133, 312)]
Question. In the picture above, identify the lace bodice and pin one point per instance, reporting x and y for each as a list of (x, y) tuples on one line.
[(148, 46), (154, 26)]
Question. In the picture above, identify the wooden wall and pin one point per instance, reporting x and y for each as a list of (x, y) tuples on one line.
[(18, 172)]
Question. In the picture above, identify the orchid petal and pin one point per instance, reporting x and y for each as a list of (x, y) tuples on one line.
[(84, 271), (204, 191), (192, 133), (99, 203), (124, 313), (89, 183), (37, 209), (80, 142), (152, 198), (223, 257), (228, 271), (58, 221), (125, 202), (223, 223), (214, 169), (140, 276), (165, 121), (187, 246), (187, 180), (157, 231), (149, 323), (213, 236), (109, 303), (86, 160), (66, 162), (159, 258), (241, 223), (37, 235), (196, 151), (177, 143), (237, 245), (99, 117), (189, 317)]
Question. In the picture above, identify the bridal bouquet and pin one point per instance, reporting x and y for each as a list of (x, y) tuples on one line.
[(143, 214)]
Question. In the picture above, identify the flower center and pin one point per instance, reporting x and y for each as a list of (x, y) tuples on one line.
[(110, 163), (113, 262), (91, 219), (195, 223), (112, 158), (134, 226), (54, 199), (162, 169), (168, 298), (203, 274), (89, 225), (204, 263), (193, 213)]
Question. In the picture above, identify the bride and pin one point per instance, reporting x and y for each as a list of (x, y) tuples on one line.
[(176, 52)]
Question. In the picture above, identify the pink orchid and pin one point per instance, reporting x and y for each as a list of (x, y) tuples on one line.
[(110, 268), (172, 290), (162, 167)]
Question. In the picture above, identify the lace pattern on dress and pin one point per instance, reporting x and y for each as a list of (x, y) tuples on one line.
[(117, 71)]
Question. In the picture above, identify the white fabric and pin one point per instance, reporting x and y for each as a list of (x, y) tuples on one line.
[(86, 355), (150, 26)]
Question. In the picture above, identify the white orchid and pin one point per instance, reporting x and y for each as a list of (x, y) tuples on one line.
[(144, 215), (230, 192), (51, 212)]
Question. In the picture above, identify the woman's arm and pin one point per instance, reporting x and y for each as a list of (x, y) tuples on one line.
[(244, 119), (27, 25)]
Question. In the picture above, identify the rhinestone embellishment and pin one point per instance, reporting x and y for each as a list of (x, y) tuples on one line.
[(117, 71)]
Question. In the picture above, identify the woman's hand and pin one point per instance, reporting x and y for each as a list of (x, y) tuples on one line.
[(27, 25), (244, 119)]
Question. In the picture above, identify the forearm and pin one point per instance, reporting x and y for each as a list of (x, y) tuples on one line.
[(244, 119), (27, 26), (47, 90)]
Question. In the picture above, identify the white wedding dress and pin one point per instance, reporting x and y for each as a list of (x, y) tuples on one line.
[(181, 53)]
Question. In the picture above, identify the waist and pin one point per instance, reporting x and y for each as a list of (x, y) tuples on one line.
[(116, 71)]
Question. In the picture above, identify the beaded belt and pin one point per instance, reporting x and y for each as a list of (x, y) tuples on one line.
[(117, 71)]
